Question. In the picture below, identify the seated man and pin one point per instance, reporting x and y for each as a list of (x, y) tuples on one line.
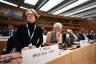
[(69, 37), (9, 32), (80, 36), (92, 35)]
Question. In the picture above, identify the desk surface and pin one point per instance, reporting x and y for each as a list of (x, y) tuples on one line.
[(66, 56)]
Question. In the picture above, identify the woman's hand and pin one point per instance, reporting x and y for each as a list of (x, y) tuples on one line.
[(27, 48), (58, 34), (59, 37), (33, 47)]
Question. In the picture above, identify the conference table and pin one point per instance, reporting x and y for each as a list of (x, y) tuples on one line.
[(3, 42), (86, 54)]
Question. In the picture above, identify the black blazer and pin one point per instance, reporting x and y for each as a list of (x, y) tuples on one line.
[(81, 37), (63, 38), (6, 32), (66, 40), (22, 38)]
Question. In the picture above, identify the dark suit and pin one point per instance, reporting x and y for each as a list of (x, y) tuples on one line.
[(81, 37), (8, 32), (91, 36), (68, 40), (63, 37), (21, 38), (5, 33)]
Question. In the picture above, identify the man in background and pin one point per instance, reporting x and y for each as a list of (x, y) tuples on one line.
[(9, 31)]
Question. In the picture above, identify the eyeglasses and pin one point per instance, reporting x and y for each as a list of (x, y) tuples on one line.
[(57, 28), (29, 14)]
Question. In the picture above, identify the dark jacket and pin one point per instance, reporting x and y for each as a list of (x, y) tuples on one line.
[(22, 39), (81, 37), (8, 32)]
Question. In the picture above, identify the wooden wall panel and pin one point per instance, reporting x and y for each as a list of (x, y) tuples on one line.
[(88, 25), (83, 22), (3, 45)]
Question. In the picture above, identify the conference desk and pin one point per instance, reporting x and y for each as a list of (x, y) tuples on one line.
[(3, 42), (86, 54)]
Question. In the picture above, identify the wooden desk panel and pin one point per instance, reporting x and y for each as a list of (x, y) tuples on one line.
[(3, 44), (95, 53), (66, 59), (92, 54), (83, 55), (79, 54)]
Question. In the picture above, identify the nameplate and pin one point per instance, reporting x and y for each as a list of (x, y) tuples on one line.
[(40, 55)]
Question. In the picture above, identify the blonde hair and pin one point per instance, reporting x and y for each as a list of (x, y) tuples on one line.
[(35, 13), (57, 25)]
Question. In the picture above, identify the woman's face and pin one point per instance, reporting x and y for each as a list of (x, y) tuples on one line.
[(30, 17), (57, 29)]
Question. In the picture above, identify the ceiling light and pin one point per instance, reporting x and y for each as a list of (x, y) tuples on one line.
[(77, 3), (7, 3), (90, 16), (81, 10), (33, 2), (50, 4)]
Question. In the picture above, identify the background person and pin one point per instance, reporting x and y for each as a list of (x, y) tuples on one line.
[(55, 37)]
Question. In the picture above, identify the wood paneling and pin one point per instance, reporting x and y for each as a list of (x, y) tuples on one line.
[(66, 59), (3, 45), (11, 7), (40, 13), (41, 25), (51, 18), (88, 25)]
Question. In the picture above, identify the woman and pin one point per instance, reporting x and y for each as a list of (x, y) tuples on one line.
[(29, 34), (55, 37)]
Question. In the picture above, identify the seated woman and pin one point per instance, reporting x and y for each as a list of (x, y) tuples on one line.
[(27, 35), (54, 37)]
